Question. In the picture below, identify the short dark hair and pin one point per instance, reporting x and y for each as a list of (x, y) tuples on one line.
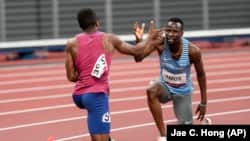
[(177, 20), (86, 18)]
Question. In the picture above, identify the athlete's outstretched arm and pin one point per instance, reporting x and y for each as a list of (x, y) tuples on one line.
[(138, 49), (119, 45), (69, 61)]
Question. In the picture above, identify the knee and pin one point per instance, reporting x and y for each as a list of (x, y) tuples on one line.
[(151, 93)]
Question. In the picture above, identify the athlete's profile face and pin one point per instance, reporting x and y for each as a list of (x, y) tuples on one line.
[(173, 32)]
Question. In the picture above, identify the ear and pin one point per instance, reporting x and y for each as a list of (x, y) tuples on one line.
[(97, 23), (182, 33)]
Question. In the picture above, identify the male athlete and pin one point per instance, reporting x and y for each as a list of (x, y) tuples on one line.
[(87, 63), (176, 56)]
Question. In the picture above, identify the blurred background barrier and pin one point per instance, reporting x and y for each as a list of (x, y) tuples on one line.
[(203, 38), (31, 25), (53, 19)]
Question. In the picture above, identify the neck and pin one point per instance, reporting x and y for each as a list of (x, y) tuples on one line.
[(91, 30), (175, 51), (174, 48)]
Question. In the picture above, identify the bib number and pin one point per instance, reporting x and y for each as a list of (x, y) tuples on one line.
[(100, 67), (106, 118), (174, 79)]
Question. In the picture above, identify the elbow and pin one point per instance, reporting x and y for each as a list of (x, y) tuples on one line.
[(138, 59), (71, 78)]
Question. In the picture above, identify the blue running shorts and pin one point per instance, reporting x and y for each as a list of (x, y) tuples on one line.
[(97, 106)]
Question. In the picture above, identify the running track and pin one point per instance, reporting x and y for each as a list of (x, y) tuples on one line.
[(35, 100)]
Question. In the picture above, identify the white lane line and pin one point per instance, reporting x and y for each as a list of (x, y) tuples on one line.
[(152, 124), (134, 98), (63, 86), (246, 87), (119, 112), (33, 80), (131, 111), (209, 58), (55, 96), (52, 96), (118, 71), (63, 78)]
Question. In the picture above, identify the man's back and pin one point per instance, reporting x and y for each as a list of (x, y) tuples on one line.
[(90, 61)]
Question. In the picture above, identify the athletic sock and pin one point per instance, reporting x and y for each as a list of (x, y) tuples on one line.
[(162, 139), (110, 139)]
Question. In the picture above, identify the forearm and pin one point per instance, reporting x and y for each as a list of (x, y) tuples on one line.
[(138, 40), (143, 50), (203, 88), (71, 73), (139, 56)]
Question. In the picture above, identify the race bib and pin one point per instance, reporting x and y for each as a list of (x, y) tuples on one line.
[(106, 118), (174, 79), (100, 67)]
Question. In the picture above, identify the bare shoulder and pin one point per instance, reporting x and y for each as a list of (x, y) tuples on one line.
[(71, 41), (111, 37), (71, 44), (194, 52), (108, 42)]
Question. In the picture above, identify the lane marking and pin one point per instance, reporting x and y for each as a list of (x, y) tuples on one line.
[(208, 57), (152, 124), (117, 113), (116, 72), (70, 86), (118, 99)]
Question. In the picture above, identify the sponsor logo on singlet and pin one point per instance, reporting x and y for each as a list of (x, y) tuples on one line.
[(100, 67), (106, 118), (174, 79)]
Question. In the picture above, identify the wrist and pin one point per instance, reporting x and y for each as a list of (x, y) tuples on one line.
[(138, 40), (203, 104)]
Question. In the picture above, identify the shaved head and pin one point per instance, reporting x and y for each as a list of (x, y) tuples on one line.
[(170, 23), (179, 23)]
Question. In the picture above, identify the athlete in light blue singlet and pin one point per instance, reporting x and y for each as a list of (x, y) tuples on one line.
[(175, 74), (176, 56)]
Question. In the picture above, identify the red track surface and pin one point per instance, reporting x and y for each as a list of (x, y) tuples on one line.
[(35, 100)]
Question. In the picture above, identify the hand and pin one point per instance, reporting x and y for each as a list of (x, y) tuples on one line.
[(155, 34), (138, 31), (151, 43), (201, 111)]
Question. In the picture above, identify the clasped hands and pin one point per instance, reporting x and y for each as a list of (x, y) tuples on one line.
[(154, 35)]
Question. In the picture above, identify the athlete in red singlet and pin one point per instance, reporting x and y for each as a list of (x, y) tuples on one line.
[(88, 58)]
